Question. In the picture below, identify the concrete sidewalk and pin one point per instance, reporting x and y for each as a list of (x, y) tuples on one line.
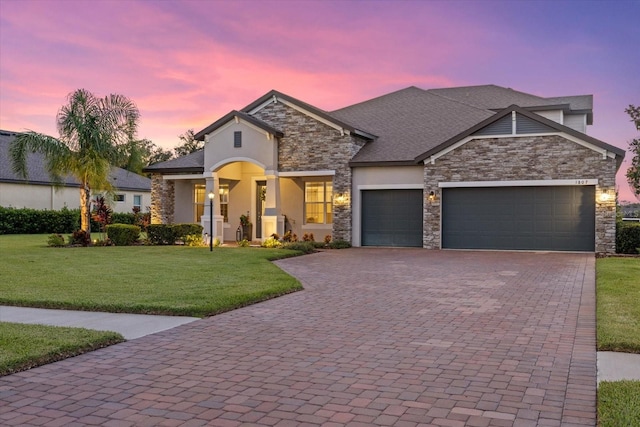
[(131, 326), (614, 366)]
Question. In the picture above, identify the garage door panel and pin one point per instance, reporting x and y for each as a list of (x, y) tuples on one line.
[(533, 218), (392, 218)]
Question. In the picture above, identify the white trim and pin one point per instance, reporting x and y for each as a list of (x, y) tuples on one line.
[(264, 104), (238, 120), (228, 160), (314, 116), (185, 176), (307, 173), (523, 183), (304, 111), (389, 187), (470, 138)]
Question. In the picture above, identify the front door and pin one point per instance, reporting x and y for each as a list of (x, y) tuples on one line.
[(261, 192)]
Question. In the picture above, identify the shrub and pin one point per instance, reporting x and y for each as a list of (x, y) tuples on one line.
[(194, 240), (317, 245), (243, 243), (183, 230), (627, 238), (101, 213), (123, 234), (33, 221), (123, 218), (308, 237), (304, 247), (216, 242), (271, 242), (80, 237), (339, 244), (161, 234), (327, 239), (289, 237), (55, 241)]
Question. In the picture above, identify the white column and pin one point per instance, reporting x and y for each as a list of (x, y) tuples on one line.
[(213, 185), (272, 220)]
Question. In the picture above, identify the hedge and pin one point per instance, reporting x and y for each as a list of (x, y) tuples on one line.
[(167, 234), (123, 234), (627, 238), (34, 221)]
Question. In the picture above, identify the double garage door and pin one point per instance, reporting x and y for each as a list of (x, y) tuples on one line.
[(503, 218)]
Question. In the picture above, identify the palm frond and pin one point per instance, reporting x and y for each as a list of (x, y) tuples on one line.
[(56, 153)]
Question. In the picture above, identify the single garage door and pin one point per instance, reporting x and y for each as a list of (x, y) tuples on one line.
[(526, 218), (392, 218)]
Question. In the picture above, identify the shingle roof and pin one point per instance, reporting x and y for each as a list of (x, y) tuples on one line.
[(408, 122), (403, 125), (120, 178), (412, 121), (191, 163)]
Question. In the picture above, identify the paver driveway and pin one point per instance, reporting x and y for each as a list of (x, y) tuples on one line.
[(379, 337)]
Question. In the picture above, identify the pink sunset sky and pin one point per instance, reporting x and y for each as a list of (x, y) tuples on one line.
[(187, 63)]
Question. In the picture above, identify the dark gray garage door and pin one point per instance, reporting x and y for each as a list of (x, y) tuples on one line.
[(533, 218), (392, 218)]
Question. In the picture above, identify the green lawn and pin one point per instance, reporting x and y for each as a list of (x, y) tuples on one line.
[(618, 304), (618, 329), (172, 280), (25, 346), (619, 404)]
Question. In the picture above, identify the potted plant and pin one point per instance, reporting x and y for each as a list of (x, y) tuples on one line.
[(247, 227)]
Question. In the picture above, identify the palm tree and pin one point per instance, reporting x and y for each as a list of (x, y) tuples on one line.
[(93, 132)]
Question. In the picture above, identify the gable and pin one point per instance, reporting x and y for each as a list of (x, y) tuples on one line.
[(516, 121)]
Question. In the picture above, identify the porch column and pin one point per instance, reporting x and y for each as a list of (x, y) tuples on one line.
[(272, 220), (213, 185)]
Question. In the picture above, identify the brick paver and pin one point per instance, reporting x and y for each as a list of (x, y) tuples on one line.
[(378, 337)]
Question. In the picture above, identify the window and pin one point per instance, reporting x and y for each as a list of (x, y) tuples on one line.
[(317, 202), (237, 139), (137, 201), (198, 201), (118, 198), (224, 201)]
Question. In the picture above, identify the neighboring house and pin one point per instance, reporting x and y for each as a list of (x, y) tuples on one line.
[(38, 192), (481, 167)]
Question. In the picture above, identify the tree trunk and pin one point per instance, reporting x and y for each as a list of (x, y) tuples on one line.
[(85, 208)]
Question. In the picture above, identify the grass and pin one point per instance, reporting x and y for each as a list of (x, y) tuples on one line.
[(619, 403), (618, 329), (618, 304), (168, 280), (26, 346)]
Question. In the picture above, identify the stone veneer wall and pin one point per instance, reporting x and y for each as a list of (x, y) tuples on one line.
[(162, 200), (310, 145), (522, 158)]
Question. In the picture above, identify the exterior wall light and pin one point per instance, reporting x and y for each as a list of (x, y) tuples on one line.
[(605, 196), (341, 199), (432, 196)]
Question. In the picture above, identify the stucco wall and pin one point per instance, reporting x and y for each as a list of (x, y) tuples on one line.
[(48, 197), (522, 158), (310, 145)]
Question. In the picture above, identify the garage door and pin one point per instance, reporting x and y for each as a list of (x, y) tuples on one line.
[(392, 218), (527, 218)]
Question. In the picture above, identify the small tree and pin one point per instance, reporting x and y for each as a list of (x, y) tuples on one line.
[(101, 214), (633, 173), (93, 132), (189, 144)]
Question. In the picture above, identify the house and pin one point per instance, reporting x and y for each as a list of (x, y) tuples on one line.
[(38, 192), (480, 167)]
